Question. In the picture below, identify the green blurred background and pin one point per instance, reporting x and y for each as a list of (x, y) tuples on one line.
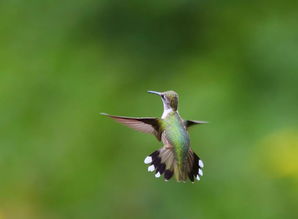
[(233, 63)]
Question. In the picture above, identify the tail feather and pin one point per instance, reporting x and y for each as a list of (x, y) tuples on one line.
[(196, 167), (163, 162)]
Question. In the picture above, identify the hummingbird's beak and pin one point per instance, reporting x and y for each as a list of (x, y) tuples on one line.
[(154, 92)]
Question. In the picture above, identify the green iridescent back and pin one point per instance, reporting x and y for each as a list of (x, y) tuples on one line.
[(177, 135)]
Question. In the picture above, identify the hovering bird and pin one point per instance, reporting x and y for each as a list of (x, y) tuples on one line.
[(176, 156)]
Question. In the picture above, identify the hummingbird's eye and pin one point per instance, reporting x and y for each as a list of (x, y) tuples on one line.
[(163, 96)]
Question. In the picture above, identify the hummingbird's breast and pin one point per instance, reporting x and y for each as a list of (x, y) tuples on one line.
[(176, 135)]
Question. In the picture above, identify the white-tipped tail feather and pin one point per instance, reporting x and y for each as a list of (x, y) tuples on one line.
[(201, 164), (151, 168), (148, 160), (163, 162), (200, 172)]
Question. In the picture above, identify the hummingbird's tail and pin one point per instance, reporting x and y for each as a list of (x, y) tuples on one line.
[(163, 162), (194, 166)]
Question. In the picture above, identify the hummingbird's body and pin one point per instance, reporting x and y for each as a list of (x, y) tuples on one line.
[(175, 157), (175, 134)]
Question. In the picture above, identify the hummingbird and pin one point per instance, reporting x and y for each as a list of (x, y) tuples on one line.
[(176, 157)]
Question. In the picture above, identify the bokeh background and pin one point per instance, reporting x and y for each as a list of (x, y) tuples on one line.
[(233, 63)]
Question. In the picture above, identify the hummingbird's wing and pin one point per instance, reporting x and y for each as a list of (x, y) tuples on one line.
[(149, 125), (189, 123)]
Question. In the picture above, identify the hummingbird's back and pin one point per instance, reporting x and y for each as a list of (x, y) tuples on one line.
[(176, 139), (176, 135)]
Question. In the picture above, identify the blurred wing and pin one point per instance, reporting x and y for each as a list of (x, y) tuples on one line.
[(189, 123), (143, 124)]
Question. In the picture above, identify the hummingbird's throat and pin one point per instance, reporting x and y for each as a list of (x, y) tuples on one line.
[(166, 112), (169, 105)]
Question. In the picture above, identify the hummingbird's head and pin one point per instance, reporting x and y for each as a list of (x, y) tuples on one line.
[(169, 99)]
